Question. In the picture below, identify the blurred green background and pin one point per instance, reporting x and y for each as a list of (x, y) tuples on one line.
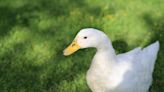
[(34, 33)]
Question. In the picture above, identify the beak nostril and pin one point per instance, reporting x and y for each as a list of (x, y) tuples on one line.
[(73, 45)]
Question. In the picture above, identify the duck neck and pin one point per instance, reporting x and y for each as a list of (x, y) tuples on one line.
[(105, 54)]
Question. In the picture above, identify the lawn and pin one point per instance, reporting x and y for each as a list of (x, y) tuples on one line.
[(34, 33)]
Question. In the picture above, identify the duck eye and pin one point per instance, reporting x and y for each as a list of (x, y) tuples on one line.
[(85, 37)]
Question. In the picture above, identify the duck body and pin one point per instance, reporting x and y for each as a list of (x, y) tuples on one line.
[(127, 72)]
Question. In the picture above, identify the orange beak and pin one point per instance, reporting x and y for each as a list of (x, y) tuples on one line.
[(71, 48)]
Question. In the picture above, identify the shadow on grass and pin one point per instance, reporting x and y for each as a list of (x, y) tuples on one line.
[(120, 46), (7, 20)]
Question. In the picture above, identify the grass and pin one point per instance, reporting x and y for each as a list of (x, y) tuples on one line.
[(34, 33)]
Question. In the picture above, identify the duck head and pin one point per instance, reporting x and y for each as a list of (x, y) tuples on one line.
[(88, 37)]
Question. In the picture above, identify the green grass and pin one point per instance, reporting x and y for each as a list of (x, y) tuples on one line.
[(34, 33)]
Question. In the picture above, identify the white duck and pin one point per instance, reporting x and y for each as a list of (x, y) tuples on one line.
[(128, 72)]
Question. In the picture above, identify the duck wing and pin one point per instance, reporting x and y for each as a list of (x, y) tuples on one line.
[(138, 66), (145, 57), (149, 56), (129, 56)]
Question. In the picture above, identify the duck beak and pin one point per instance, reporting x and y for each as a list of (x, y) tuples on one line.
[(71, 48)]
